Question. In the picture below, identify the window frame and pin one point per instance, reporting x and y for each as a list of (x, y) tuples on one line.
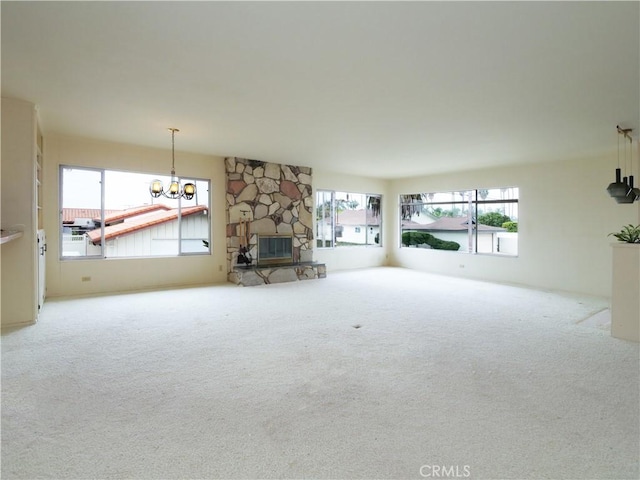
[(475, 199), (103, 187), (369, 236)]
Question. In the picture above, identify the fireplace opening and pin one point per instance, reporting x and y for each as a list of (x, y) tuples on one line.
[(275, 249)]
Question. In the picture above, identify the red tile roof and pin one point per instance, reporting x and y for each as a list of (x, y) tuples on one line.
[(69, 215), (145, 221), (117, 215)]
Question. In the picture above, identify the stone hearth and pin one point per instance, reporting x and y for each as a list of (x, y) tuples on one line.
[(250, 276)]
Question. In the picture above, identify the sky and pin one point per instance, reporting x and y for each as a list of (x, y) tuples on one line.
[(81, 189)]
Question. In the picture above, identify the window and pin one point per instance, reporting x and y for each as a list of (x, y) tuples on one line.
[(348, 219), (107, 213), (471, 221)]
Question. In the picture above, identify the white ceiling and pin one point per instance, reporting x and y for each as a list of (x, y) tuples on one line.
[(383, 89)]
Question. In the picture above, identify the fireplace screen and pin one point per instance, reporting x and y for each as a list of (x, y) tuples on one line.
[(274, 249)]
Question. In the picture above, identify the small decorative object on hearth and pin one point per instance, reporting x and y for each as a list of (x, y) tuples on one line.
[(244, 257), (244, 234), (244, 227)]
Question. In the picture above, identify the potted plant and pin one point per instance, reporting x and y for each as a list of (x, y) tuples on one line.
[(628, 234), (625, 303)]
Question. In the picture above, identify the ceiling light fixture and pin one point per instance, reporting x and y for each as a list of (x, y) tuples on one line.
[(620, 189), (175, 190)]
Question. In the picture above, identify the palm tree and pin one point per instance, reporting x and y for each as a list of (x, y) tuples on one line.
[(373, 205), (411, 205)]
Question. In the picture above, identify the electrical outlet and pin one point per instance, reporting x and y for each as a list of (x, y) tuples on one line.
[(462, 265), (86, 279)]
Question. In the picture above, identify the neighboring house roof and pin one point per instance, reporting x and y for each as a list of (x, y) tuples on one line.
[(450, 224), (69, 215), (145, 221), (356, 217), (118, 215), (423, 215)]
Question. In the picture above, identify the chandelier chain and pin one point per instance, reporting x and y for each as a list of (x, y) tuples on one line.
[(173, 150)]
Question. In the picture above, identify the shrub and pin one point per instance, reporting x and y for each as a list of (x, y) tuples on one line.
[(510, 226), (418, 238), (415, 238), (445, 245)]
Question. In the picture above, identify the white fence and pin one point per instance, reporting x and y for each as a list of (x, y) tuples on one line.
[(74, 245), (508, 243)]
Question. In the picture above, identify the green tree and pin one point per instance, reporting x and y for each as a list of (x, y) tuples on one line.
[(494, 219), (323, 209), (438, 212), (341, 206), (510, 226)]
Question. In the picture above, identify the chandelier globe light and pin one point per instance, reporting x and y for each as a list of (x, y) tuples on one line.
[(175, 189)]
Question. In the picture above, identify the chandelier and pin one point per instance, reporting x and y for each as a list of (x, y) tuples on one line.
[(175, 190)]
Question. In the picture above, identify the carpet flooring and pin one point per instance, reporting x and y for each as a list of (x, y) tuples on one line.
[(375, 373)]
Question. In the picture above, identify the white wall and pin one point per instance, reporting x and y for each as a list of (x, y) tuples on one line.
[(565, 215), (19, 257), (114, 275), (344, 258)]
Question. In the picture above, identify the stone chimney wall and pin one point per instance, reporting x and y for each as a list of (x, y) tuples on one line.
[(273, 199)]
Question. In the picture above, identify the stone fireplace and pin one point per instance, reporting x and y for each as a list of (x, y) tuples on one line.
[(269, 210)]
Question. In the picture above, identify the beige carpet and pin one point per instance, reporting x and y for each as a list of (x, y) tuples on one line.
[(377, 373)]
